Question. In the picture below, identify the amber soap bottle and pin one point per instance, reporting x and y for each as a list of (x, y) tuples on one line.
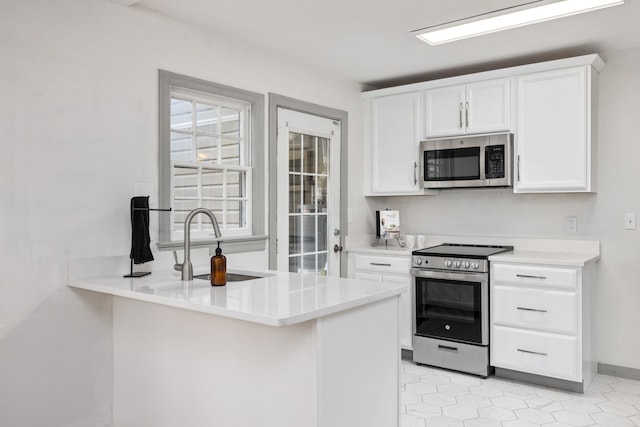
[(218, 268)]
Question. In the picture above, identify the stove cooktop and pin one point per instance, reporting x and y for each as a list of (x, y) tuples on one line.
[(462, 250)]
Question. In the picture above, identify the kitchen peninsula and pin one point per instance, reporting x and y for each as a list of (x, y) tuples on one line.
[(281, 350)]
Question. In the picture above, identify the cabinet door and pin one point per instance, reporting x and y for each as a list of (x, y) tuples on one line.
[(395, 138), (445, 111), (488, 106), (553, 142), (406, 309)]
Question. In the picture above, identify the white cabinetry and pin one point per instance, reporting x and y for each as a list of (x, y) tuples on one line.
[(479, 107), (390, 269), (554, 131), (393, 127), (538, 318)]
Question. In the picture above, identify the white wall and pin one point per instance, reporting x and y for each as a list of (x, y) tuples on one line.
[(78, 129), (499, 212)]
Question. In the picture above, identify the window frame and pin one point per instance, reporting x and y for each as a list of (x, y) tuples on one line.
[(256, 155)]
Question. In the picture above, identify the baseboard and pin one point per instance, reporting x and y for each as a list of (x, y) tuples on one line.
[(619, 371), (406, 354), (577, 387)]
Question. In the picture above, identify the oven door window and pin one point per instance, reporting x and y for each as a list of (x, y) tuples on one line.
[(452, 165), (449, 309)]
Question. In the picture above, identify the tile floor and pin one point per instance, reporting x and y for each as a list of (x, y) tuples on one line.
[(435, 397)]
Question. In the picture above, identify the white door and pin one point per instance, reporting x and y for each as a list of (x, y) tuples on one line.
[(488, 106), (445, 113), (395, 138), (308, 193)]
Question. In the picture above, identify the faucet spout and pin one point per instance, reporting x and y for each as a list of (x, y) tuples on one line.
[(187, 268)]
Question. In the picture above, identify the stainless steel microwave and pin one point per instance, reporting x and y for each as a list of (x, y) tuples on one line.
[(468, 161)]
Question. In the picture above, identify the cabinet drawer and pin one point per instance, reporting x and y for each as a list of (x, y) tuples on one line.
[(535, 275), (368, 276), (542, 309), (383, 264), (535, 352)]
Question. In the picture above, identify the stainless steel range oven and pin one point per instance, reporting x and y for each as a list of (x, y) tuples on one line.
[(451, 321)]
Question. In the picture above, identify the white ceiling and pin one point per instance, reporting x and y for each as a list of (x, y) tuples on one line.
[(370, 41)]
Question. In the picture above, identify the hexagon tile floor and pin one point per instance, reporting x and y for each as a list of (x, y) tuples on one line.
[(435, 397)]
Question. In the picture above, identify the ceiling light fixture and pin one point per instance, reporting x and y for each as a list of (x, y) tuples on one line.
[(477, 26)]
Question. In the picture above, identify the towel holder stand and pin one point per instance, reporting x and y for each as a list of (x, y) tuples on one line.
[(142, 273)]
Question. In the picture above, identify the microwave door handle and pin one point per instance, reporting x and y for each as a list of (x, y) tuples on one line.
[(486, 162)]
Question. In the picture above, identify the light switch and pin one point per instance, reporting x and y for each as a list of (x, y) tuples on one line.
[(630, 221)]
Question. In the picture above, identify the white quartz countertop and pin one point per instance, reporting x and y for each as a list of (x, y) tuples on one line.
[(381, 250), (281, 299), (573, 259)]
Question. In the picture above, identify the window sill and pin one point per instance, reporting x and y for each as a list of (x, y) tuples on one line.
[(232, 244)]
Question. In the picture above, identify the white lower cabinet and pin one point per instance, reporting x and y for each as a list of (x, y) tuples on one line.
[(540, 321), (389, 269)]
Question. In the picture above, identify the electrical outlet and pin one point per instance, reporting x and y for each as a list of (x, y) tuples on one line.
[(630, 221), (572, 224)]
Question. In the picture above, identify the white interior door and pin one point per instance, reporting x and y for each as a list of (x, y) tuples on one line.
[(308, 193)]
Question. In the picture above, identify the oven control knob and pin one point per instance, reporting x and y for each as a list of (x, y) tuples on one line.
[(456, 264), (476, 265), (466, 265), (418, 261), (447, 263)]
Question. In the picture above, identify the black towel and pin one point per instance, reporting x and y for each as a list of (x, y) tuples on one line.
[(140, 250)]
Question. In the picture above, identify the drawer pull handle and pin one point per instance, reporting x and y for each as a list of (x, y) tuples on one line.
[(526, 276), (380, 264), (532, 309), (447, 348), (532, 352)]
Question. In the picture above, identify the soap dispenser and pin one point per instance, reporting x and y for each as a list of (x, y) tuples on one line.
[(218, 268)]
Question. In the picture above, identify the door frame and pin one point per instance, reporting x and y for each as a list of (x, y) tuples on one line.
[(279, 101)]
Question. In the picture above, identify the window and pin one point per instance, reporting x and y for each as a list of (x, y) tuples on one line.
[(210, 157)]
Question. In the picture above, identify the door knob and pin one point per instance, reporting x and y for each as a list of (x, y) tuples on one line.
[(337, 248)]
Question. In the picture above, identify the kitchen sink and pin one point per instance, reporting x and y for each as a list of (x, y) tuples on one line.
[(231, 277)]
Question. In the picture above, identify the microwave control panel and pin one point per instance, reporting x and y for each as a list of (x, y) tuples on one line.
[(494, 156)]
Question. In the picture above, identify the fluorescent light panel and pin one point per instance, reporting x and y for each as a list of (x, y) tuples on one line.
[(517, 19)]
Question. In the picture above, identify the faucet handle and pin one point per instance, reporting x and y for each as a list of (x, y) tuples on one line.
[(177, 266)]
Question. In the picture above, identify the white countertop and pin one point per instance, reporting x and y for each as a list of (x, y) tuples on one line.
[(281, 299), (381, 250), (572, 259)]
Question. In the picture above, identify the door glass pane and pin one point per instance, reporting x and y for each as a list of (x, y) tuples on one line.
[(308, 193), (295, 235), (295, 152), (309, 264), (308, 233), (295, 264), (321, 193), (322, 232), (295, 191), (309, 153), (322, 264), (323, 155)]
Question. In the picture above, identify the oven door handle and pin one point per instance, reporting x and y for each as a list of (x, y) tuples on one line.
[(449, 275)]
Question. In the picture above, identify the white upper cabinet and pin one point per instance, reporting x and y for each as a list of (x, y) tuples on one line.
[(395, 138), (479, 107), (553, 138), (549, 106)]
